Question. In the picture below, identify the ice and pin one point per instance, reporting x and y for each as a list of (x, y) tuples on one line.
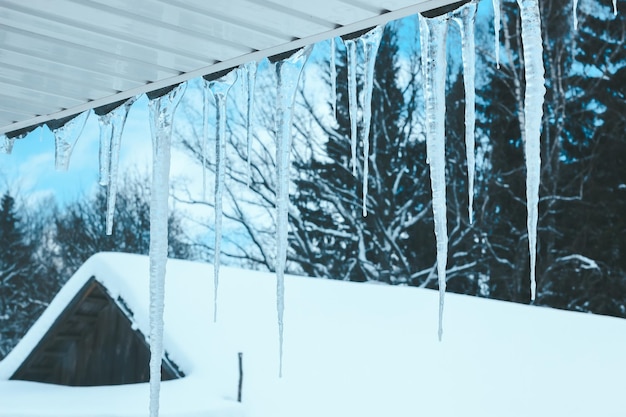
[(219, 88), (250, 71), (496, 30), (6, 144), (161, 118), (206, 96), (433, 34), (287, 73), (65, 137), (111, 129), (106, 132), (575, 13), (370, 43), (333, 77), (533, 112), (465, 17), (352, 97), (614, 7)]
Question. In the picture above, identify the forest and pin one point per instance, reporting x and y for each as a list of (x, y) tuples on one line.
[(581, 259)]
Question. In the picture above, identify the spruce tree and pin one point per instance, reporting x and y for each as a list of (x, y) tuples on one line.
[(17, 276)]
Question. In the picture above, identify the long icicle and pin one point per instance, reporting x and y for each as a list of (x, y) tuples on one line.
[(352, 97), (161, 118), (288, 74), (533, 113), (250, 70), (464, 18), (116, 119), (220, 89), (496, 30), (206, 98), (433, 34), (575, 13), (370, 42)]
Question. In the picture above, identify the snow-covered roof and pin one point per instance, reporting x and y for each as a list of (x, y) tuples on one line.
[(350, 349), (62, 57)]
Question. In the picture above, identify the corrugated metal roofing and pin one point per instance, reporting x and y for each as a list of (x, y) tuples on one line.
[(61, 57)]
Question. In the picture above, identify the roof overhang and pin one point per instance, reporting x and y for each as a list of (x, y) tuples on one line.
[(62, 57)]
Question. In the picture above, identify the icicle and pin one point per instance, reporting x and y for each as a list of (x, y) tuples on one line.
[(575, 13), (250, 70), (352, 97), (533, 112), (465, 17), (205, 134), (288, 74), (106, 132), (65, 137), (6, 144), (433, 50), (111, 129), (614, 7), (370, 42), (496, 30), (219, 88), (333, 77), (161, 118)]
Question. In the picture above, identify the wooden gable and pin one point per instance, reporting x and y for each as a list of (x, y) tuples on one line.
[(92, 343)]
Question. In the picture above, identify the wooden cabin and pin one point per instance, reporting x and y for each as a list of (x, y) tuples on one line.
[(92, 342)]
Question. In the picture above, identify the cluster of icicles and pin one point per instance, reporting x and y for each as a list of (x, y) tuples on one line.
[(162, 105)]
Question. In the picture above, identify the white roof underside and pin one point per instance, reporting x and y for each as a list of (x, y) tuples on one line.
[(61, 57)]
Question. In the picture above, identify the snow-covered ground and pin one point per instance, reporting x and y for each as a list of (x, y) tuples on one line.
[(350, 350)]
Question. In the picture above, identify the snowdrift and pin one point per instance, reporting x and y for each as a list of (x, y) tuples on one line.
[(350, 350)]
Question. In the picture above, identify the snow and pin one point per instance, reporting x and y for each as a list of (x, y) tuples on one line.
[(464, 18), (353, 349), (533, 112), (65, 138), (288, 74), (370, 43), (433, 49), (585, 263), (161, 119), (352, 97), (219, 88)]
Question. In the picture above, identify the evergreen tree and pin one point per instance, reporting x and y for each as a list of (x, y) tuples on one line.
[(18, 273), (583, 124)]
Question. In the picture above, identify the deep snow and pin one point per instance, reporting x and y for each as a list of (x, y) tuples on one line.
[(350, 350)]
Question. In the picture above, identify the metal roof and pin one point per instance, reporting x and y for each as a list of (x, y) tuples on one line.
[(61, 57)]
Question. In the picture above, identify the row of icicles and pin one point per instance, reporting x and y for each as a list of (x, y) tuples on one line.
[(162, 105)]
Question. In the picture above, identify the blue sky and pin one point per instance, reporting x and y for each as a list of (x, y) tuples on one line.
[(30, 172)]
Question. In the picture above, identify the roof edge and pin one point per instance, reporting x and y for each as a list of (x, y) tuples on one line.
[(383, 18)]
